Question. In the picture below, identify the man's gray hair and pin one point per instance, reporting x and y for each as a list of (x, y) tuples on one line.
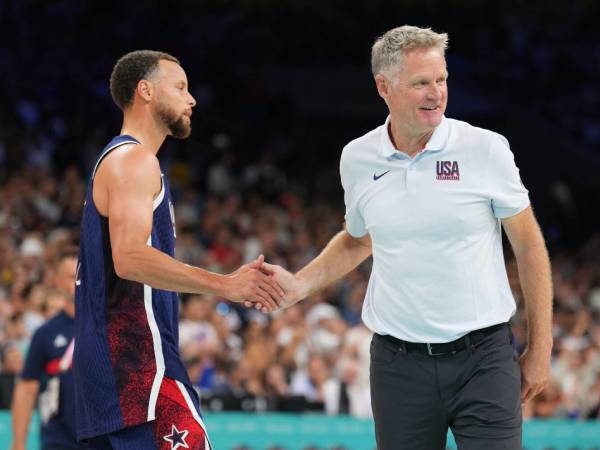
[(388, 48)]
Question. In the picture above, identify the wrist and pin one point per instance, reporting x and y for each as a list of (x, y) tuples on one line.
[(217, 284), (303, 287), (542, 346)]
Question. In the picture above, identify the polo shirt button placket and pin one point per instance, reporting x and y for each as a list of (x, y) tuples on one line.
[(409, 173)]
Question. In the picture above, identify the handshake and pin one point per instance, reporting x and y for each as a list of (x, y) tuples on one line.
[(264, 286)]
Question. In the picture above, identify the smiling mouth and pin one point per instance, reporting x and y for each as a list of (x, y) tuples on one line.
[(432, 108)]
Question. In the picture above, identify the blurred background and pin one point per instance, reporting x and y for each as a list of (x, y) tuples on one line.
[(281, 88)]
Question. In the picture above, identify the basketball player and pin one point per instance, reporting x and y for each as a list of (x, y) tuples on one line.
[(132, 389), (48, 371)]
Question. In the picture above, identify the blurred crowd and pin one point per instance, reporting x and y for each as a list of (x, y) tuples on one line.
[(311, 357), (262, 74), (281, 87)]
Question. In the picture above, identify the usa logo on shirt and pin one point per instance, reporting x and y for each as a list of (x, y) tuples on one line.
[(447, 170)]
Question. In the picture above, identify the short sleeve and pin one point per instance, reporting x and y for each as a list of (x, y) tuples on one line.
[(34, 363), (355, 224), (507, 192)]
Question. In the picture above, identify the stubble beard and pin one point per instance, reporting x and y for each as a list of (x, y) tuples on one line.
[(175, 124)]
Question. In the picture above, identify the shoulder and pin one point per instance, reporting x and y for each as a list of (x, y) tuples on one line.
[(131, 165), (358, 153), (476, 140), (133, 157), (43, 333), (358, 156), (462, 129), (63, 320), (52, 325), (362, 145)]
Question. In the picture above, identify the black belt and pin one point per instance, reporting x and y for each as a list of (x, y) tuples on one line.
[(444, 348)]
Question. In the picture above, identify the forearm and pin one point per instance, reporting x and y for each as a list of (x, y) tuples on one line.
[(342, 254), (22, 406), (536, 283), (150, 266)]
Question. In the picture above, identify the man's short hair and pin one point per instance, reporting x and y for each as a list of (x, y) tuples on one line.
[(130, 69), (389, 47)]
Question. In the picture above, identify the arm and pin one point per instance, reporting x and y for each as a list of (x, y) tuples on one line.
[(127, 181), (22, 406), (342, 254), (533, 263)]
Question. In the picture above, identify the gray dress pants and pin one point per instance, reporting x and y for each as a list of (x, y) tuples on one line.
[(475, 391)]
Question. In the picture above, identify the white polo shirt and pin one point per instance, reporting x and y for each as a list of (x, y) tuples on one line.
[(438, 267)]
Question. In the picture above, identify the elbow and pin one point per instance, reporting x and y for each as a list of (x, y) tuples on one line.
[(122, 265), (361, 244)]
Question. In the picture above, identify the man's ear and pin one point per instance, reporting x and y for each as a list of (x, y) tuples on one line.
[(382, 84), (145, 90)]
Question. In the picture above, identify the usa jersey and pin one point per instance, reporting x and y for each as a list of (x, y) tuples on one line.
[(126, 333), (46, 354)]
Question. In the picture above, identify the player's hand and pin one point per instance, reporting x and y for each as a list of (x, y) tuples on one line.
[(288, 282), (535, 373), (250, 283)]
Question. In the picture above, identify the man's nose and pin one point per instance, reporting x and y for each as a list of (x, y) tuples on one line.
[(434, 92)]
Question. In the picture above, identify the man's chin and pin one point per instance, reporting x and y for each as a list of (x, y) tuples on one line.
[(180, 133), (183, 136), (432, 121)]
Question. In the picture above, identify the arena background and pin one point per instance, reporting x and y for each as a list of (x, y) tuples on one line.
[(281, 87)]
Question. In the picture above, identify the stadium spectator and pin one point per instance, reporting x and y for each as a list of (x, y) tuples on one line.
[(46, 153), (48, 370), (576, 277)]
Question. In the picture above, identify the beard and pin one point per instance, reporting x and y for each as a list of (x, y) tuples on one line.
[(176, 124)]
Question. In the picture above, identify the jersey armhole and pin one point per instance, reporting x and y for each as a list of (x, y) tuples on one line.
[(100, 159), (106, 152)]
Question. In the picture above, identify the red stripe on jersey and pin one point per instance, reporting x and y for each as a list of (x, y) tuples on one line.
[(52, 367), (131, 350)]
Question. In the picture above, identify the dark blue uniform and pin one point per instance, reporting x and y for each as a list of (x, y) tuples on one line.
[(126, 333), (47, 349)]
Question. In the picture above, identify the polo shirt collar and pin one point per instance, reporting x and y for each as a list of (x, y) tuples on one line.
[(436, 142)]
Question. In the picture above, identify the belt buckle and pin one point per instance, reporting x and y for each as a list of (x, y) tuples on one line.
[(431, 353)]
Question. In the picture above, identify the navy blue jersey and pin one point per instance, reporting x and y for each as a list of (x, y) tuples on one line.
[(126, 333), (48, 346)]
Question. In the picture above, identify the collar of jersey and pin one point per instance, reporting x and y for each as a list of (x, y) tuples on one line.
[(127, 137), (436, 142)]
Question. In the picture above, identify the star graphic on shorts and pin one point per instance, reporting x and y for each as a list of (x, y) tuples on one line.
[(176, 438)]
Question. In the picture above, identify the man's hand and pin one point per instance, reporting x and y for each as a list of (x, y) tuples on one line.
[(527, 243), (288, 282), (535, 373), (252, 284), (342, 254)]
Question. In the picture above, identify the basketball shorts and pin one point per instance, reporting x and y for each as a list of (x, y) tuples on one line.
[(177, 426)]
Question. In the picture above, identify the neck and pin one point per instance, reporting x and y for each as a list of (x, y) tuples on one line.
[(406, 141), (143, 127), (70, 309)]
